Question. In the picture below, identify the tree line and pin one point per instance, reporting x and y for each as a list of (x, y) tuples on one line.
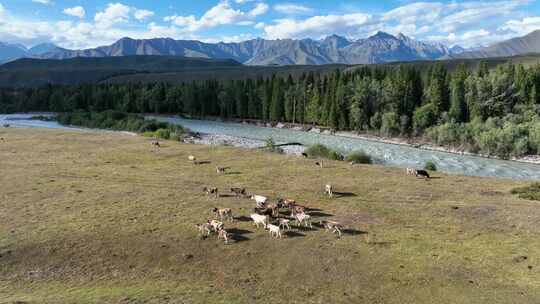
[(491, 111)]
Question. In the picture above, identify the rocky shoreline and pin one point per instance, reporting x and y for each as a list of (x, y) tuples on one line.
[(217, 139)]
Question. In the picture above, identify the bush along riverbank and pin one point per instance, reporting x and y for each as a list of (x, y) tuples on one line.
[(322, 151), (121, 121)]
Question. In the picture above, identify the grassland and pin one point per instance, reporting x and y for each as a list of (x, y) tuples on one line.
[(103, 218)]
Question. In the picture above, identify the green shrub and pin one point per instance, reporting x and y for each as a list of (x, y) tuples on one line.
[(430, 165), (318, 151), (335, 155), (269, 145), (163, 134), (359, 157), (531, 192), (120, 121)]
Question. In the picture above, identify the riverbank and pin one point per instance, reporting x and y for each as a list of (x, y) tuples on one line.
[(415, 142)]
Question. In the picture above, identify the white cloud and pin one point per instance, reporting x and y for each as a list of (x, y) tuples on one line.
[(317, 26), (141, 14), (221, 14), (77, 11), (113, 14), (523, 26), (45, 2), (292, 9)]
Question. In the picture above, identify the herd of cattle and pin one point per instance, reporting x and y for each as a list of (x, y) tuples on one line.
[(268, 214)]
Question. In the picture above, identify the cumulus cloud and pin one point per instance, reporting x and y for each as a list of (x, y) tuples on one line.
[(142, 14), (77, 11), (457, 22), (221, 14), (317, 26), (45, 2), (292, 9)]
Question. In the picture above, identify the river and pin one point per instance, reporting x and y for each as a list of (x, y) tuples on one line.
[(383, 153)]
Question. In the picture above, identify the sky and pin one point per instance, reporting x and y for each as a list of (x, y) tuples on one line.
[(78, 24)]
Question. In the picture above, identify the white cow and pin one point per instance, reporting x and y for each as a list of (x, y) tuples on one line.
[(260, 200), (259, 219), (274, 230)]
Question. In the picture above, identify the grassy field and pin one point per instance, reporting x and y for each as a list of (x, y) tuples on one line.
[(103, 218)]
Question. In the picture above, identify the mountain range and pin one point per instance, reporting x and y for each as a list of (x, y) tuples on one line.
[(379, 48)]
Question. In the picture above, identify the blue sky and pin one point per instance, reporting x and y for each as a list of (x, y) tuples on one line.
[(85, 23)]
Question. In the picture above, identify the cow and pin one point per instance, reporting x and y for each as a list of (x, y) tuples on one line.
[(259, 200), (328, 190), (223, 214), (287, 203), (204, 229), (411, 171), (259, 219), (221, 170), (239, 192), (274, 230), (422, 173), (211, 190), (156, 143), (319, 164), (303, 218), (216, 225), (285, 223), (332, 226), (223, 234)]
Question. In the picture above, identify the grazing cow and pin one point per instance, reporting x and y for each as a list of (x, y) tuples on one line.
[(305, 155), (274, 230), (216, 225), (285, 223), (193, 159), (6, 125), (221, 170), (319, 164), (239, 192), (422, 173), (411, 171), (259, 219), (263, 211), (303, 218), (155, 143), (204, 229), (287, 203), (223, 234), (297, 209), (274, 208), (333, 226), (211, 190), (260, 200), (328, 190), (223, 214)]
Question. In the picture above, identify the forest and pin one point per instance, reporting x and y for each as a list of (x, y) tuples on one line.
[(480, 110)]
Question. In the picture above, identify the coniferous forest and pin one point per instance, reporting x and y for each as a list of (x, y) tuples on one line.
[(493, 112)]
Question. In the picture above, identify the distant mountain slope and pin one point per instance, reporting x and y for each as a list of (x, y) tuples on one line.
[(11, 51), (516, 46), (28, 72), (379, 48)]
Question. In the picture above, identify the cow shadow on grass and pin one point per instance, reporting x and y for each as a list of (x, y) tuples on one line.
[(238, 235), (305, 229), (293, 234), (243, 218), (227, 195), (233, 173), (203, 162), (352, 231), (319, 214), (344, 194)]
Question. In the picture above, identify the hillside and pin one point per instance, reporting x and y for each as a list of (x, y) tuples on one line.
[(109, 220), (512, 47), (37, 72)]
